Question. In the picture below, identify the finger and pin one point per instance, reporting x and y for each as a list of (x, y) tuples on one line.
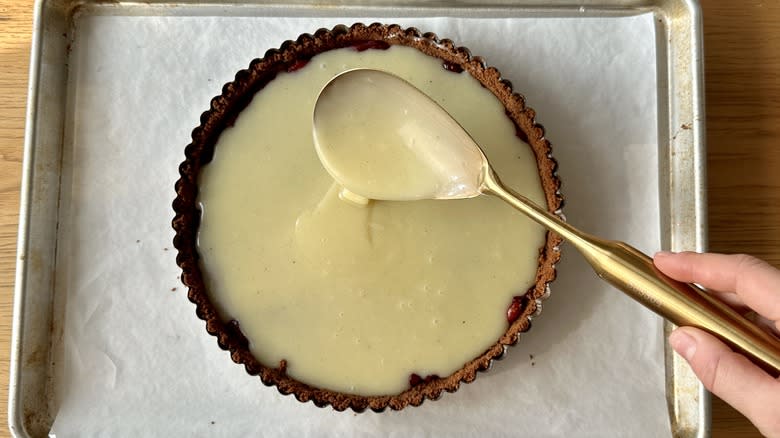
[(730, 298), (764, 323), (731, 377), (756, 282)]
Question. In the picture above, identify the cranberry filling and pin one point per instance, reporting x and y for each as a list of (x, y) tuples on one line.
[(521, 135), (370, 44), (516, 308), (415, 379), (451, 66), (297, 65), (235, 329), (518, 132)]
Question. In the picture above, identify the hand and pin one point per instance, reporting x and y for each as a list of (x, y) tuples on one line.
[(746, 283)]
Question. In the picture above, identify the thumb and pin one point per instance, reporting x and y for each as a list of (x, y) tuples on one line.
[(732, 377)]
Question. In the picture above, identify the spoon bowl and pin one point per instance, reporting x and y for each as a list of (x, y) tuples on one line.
[(416, 150), (408, 156)]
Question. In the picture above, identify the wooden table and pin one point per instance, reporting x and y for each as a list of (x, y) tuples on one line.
[(742, 63)]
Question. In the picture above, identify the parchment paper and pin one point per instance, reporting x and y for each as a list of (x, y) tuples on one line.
[(135, 361)]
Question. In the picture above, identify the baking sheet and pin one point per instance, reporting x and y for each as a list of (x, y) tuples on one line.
[(134, 359)]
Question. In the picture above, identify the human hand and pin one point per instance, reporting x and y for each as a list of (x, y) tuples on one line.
[(746, 283)]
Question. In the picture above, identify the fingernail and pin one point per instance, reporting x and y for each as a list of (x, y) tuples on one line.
[(660, 254), (683, 343)]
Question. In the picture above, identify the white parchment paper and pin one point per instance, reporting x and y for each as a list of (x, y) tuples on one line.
[(135, 361)]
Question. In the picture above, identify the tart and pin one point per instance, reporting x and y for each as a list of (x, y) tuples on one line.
[(357, 306)]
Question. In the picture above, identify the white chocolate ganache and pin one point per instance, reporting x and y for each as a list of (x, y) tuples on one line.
[(356, 297)]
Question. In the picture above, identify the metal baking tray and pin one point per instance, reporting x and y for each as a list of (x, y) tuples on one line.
[(35, 330)]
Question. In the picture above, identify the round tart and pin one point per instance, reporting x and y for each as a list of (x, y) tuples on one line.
[(263, 276)]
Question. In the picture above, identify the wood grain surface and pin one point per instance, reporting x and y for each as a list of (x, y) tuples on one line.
[(742, 76)]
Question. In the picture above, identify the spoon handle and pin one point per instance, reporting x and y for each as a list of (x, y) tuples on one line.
[(633, 272)]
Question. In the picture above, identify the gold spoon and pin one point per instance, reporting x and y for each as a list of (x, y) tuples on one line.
[(407, 147)]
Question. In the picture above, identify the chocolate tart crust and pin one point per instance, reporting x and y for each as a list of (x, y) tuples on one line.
[(236, 95)]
